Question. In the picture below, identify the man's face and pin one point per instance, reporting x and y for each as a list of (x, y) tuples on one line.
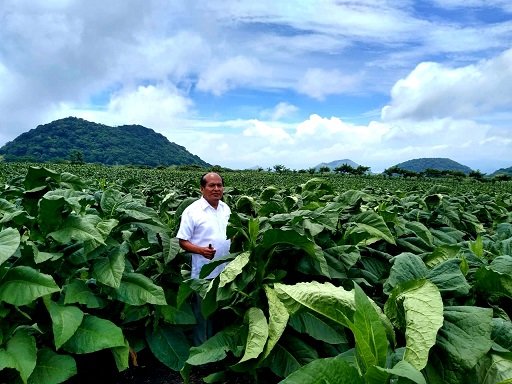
[(213, 189)]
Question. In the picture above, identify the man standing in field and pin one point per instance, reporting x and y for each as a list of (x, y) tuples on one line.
[(203, 225), (202, 232)]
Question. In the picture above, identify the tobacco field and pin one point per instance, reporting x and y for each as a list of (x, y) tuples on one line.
[(331, 279)]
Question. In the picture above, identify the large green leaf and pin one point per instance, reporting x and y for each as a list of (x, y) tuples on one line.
[(448, 277), (77, 291), (38, 177), (22, 285), (275, 237), (65, 321), (169, 345), (421, 231), (495, 368), (79, 228), (277, 320), (216, 347), (111, 199), (233, 269), (466, 334), (52, 368), (122, 356), (94, 334), (369, 332), (9, 243), (290, 354), (52, 209), (332, 370), (416, 306), (368, 227), (308, 323), (109, 268), (257, 334), (496, 279), (333, 302), (406, 267), (20, 353), (137, 289), (401, 369)]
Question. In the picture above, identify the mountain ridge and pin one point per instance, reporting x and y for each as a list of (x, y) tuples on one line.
[(61, 139)]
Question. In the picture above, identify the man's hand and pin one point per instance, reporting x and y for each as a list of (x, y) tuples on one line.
[(208, 252)]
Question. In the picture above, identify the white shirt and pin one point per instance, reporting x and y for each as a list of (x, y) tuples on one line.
[(201, 224)]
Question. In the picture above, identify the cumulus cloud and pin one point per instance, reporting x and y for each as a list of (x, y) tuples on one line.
[(157, 107), (433, 90)]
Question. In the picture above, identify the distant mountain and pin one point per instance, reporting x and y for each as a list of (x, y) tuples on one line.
[(71, 137), (438, 163), (503, 171), (336, 163)]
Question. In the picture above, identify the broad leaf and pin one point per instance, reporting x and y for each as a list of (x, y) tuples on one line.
[(122, 356), (9, 243), (332, 370), (22, 285), (65, 321), (77, 291), (79, 228), (333, 302), (416, 306), (20, 354), (169, 345), (277, 320), (109, 269), (257, 334), (369, 332), (496, 279), (216, 347), (406, 267), (52, 368), (367, 228), (290, 354), (94, 334), (137, 289), (403, 369), (466, 334), (276, 237), (233, 269)]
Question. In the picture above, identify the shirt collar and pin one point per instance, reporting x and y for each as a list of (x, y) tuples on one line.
[(205, 204)]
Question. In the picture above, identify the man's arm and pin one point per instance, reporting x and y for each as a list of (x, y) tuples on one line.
[(207, 252)]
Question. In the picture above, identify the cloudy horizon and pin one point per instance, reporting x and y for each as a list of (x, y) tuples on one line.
[(244, 84)]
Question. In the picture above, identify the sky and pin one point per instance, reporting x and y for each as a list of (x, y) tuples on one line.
[(245, 83)]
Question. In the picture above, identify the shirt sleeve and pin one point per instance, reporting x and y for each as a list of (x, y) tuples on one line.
[(185, 230)]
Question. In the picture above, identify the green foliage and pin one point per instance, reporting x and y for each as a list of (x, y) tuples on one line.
[(330, 278), (78, 141)]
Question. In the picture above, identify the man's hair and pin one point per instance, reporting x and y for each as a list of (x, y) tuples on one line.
[(203, 179)]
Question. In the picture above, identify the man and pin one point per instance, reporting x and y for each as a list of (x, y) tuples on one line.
[(203, 225)]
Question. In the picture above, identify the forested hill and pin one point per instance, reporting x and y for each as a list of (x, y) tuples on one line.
[(438, 163), (80, 140)]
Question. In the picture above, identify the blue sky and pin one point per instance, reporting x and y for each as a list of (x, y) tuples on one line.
[(259, 83)]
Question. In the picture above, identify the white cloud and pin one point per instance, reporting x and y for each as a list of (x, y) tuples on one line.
[(221, 76), (433, 90), (280, 111), (156, 107), (319, 83)]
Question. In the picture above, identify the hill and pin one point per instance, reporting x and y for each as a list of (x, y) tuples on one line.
[(337, 163), (97, 143), (503, 171), (441, 164)]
